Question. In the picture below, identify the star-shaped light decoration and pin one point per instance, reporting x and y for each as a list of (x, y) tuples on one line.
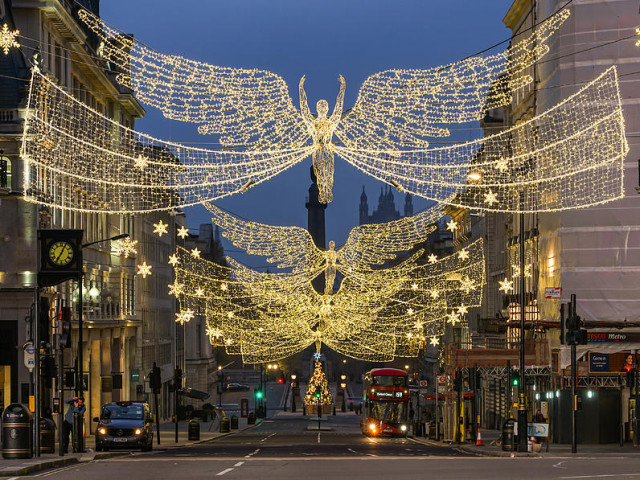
[(490, 198), (212, 332), (317, 356), (434, 341), (127, 247), (414, 286), (506, 285), (200, 292), (8, 39), (502, 164), (434, 294), (453, 318), (224, 287), (195, 253), (418, 325), (463, 254), (175, 288), (160, 228), (141, 162), (516, 270), (463, 310), (228, 341), (183, 232), (409, 311), (184, 317), (260, 329), (409, 335), (433, 258), (452, 226), (144, 269), (230, 314), (467, 285), (173, 260)]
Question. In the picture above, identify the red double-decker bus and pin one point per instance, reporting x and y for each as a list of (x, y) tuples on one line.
[(385, 410)]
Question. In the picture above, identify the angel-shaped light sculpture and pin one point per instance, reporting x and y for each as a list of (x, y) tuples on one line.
[(78, 159), (375, 315)]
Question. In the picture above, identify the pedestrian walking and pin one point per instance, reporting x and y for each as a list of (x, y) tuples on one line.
[(76, 405)]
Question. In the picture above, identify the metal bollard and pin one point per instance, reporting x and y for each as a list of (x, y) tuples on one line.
[(77, 433)]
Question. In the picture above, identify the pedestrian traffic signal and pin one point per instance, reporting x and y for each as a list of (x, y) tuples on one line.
[(258, 393), (155, 379), (575, 334), (177, 379), (515, 380)]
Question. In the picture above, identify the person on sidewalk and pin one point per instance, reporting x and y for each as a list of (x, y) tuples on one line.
[(76, 405)]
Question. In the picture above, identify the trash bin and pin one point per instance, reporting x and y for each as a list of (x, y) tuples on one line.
[(17, 425), (251, 419), (47, 436), (234, 421), (432, 430), (224, 425), (77, 433), (193, 430), (508, 436)]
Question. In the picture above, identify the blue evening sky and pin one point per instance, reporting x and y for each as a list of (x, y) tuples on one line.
[(319, 39)]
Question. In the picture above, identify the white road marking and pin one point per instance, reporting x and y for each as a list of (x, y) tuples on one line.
[(224, 471), (371, 440), (607, 475), (252, 454), (557, 465), (318, 437), (268, 436), (239, 464), (351, 450)]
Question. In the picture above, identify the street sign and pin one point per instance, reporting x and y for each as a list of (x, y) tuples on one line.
[(442, 380), (423, 384), (553, 292), (29, 356)]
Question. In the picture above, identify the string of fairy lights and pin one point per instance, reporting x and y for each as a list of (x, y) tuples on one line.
[(385, 134), (382, 298)]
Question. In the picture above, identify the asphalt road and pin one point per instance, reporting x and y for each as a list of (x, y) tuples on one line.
[(283, 448)]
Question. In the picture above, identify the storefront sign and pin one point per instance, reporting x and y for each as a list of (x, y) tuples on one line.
[(615, 336), (553, 292), (598, 362)]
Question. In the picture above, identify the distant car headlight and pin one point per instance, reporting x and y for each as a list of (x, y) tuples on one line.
[(372, 426), (102, 431), (138, 431), (403, 428)]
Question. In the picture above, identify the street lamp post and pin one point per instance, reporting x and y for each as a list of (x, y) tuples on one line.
[(523, 443), (343, 386), (79, 373)]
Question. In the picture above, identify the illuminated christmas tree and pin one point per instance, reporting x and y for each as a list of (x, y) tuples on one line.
[(318, 384)]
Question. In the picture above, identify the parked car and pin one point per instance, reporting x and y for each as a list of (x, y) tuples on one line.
[(124, 425), (237, 387)]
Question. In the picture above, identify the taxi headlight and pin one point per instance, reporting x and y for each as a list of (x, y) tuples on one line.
[(102, 431), (372, 426), (138, 431), (403, 428)]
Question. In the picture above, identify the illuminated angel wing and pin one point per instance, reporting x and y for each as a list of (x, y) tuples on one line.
[(399, 109), (243, 106), (374, 244), (288, 247)]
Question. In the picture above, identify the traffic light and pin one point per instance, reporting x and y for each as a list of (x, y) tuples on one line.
[(64, 317), (258, 393), (48, 370), (515, 380), (177, 379), (575, 334), (43, 320), (155, 379)]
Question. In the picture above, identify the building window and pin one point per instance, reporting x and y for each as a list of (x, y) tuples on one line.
[(5, 173)]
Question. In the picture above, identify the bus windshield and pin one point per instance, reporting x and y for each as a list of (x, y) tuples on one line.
[(388, 412), (388, 381)]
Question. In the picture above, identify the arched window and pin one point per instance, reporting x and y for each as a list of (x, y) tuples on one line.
[(5, 173)]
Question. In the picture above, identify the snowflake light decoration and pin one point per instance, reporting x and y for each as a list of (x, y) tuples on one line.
[(8, 39), (144, 270), (160, 228)]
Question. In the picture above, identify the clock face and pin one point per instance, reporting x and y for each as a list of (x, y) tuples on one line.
[(61, 253)]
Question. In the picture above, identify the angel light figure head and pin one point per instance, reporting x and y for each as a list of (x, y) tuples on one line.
[(332, 245), (322, 108)]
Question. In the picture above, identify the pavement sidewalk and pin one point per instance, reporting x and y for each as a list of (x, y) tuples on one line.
[(208, 431), (490, 448)]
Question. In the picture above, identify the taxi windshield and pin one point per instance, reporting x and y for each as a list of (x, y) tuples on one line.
[(117, 412)]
